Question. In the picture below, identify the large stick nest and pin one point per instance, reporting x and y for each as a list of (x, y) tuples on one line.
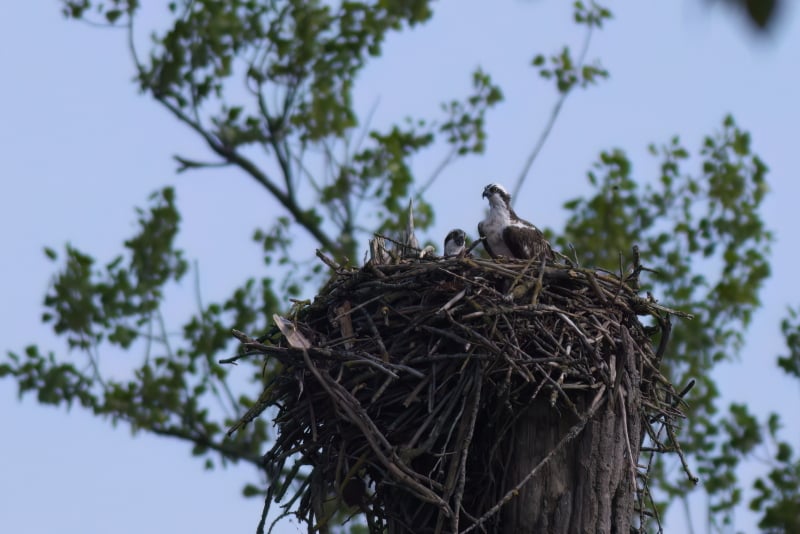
[(394, 387)]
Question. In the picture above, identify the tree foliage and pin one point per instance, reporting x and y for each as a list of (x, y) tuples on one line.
[(296, 132)]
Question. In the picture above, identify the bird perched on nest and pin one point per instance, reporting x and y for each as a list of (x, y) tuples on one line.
[(455, 242), (505, 234)]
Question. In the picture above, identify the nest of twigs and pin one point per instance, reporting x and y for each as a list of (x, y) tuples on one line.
[(395, 386)]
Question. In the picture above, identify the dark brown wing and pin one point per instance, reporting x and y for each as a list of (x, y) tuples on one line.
[(482, 233), (527, 242)]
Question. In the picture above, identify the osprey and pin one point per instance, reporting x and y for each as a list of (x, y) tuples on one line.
[(505, 234), (454, 243)]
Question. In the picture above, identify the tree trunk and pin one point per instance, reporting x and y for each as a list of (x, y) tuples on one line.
[(587, 485)]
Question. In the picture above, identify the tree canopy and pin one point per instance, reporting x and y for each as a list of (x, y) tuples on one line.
[(698, 224)]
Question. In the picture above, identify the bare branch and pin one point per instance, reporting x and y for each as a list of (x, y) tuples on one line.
[(234, 157), (552, 121), (439, 169), (187, 164)]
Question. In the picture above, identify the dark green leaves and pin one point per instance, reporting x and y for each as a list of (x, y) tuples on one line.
[(176, 387), (53, 382), (790, 327), (302, 54), (703, 234), (760, 12), (567, 71), (89, 305), (590, 15), (778, 493), (464, 127)]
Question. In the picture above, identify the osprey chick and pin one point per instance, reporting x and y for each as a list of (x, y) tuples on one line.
[(455, 242), (505, 234)]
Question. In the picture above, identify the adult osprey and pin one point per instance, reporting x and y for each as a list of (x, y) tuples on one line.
[(455, 242), (505, 234)]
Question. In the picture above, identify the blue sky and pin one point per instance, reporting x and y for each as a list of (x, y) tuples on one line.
[(80, 148)]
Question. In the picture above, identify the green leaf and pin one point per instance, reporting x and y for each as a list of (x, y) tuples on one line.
[(112, 15), (250, 490)]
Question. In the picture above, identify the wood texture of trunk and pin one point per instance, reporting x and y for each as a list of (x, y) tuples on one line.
[(587, 487)]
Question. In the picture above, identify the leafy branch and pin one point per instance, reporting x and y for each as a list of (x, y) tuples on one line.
[(568, 74)]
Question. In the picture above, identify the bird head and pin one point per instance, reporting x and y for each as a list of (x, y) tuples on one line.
[(457, 236), (497, 191)]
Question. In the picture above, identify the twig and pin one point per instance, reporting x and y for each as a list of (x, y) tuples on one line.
[(552, 120), (328, 261)]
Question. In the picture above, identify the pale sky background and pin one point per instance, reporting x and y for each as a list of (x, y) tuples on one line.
[(80, 148)]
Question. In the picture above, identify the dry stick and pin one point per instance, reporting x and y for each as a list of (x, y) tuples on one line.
[(472, 282), (374, 270), (313, 419), (353, 470), (449, 304), (384, 354), (521, 369), (234, 359), (441, 411), (521, 273), (569, 436), (452, 460), (374, 365), (674, 439), (447, 334), (395, 242), (506, 269), (328, 261), (554, 393), (637, 268), (590, 276), (337, 479), (462, 471), (627, 437), (358, 307), (474, 244), (646, 487), (621, 278), (263, 402), (588, 342), (676, 400), (540, 386), (539, 284), (415, 392), (659, 447), (368, 430)]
